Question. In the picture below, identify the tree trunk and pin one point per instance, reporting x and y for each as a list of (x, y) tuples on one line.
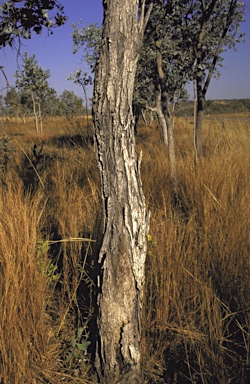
[(161, 118), (40, 118), (171, 150), (199, 117), (126, 221), (35, 112), (198, 127), (162, 102), (170, 137), (167, 136), (194, 126)]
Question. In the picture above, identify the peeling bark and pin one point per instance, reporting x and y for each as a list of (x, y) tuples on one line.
[(126, 220)]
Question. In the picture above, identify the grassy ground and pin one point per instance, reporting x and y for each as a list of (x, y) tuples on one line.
[(196, 310)]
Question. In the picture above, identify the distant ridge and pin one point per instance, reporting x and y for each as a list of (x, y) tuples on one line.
[(214, 107)]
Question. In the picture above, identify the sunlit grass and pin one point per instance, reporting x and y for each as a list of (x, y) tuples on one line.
[(196, 304)]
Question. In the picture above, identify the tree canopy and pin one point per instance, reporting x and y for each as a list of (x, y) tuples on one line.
[(19, 18)]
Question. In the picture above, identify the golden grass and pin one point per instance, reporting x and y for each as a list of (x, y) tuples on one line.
[(197, 307), (196, 310)]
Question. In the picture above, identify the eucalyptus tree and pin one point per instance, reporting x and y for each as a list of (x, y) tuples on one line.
[(70, 104), (2, 106), (19, 18), (50, 105), (13, 103), (83, 79), (185, 41), (123, 251), (89, 40), (209, 28), (164, 68), (32, 81)]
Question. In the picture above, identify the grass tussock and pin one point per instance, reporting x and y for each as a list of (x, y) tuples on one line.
[(196, 303)]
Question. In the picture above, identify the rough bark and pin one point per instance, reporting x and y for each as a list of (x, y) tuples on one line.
[(126, 221)]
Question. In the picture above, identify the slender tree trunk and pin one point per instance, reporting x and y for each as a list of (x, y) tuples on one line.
[(40, 118), (126, 221), (162, 121), (198, 128), (167, 136), (86, 104), (171, 150), (35, 112), (163, 103), (170, 139), (195, 115), (199, 117)]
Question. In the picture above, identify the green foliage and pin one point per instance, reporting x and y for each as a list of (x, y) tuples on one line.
[(70, 104), (192, 38), (164, 28), (47, 267), (89, 39), (227, 106), (32, 82), (213, 107), (209, 28), (18, 103), (15, 102), (76, 354), (32, 79), (50, 103), (83, 80), (19, 18)]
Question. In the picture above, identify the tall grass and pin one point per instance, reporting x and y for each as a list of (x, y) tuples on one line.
[(197, 307), (196, 303), (48, 210), (29, 350)]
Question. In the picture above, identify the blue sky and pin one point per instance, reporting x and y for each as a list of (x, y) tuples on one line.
[(55, 53)]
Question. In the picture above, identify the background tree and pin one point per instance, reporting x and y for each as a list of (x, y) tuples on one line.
[(18, 19), (123, 250), (2, 106), (12, 100), (89, 40), (70, 105), (83, 79), (50, 105), (32, 81), (208, 29), (163, 69)]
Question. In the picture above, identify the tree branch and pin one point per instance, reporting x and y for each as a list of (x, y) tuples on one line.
[(144, 17), (230, 14), (4, 74)]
